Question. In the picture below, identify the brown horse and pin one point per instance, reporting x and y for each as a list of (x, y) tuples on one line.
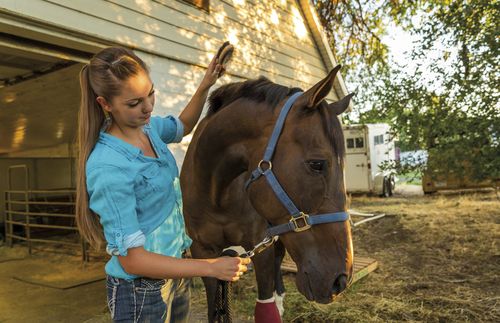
[(308, 163)]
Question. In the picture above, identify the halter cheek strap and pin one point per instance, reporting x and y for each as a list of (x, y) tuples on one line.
[(299, 221)]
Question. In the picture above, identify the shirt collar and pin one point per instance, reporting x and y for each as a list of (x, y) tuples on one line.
[(130, 151)]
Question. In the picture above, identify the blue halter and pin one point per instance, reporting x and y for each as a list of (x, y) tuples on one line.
[(299, 221)]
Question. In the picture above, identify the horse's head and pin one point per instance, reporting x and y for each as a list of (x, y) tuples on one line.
[(309, 164)]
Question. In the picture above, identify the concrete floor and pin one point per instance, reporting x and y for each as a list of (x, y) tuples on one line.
[(25, 302)]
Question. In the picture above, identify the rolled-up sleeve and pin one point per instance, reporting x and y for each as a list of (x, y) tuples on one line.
[(112, 197), (170, 128)]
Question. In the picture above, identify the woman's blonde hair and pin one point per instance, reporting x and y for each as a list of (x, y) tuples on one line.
[(102, 76)]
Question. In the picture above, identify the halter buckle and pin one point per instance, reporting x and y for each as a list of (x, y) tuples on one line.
[(295, 222)]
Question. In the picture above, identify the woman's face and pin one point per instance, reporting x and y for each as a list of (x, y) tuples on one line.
[(133, 106)]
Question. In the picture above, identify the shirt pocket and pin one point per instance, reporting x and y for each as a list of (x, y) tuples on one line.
[(148, 182)]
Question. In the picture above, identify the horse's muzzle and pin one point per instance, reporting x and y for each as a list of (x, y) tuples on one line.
[(340, 284), (308, 286)]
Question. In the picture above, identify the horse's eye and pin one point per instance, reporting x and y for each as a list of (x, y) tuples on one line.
[(317, 166)]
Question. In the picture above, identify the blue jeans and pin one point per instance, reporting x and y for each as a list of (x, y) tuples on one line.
[(148, 300)]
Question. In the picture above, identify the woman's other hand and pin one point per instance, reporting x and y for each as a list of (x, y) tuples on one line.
[(229, 268), (214, 71)]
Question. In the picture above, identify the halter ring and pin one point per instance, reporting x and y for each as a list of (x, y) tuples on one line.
[(263, 162)]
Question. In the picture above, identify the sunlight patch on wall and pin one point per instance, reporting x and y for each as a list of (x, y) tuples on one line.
[(232, 36), (207, 44), (260, 24), (302, 72), (239, 2), (298, 23), (186, 33), (126, 40), (219, 18), (9, 97), (152, 28), (171, 101), (20, 132), (191, 87), (145, 5), (149, 40), (60, 129), (275, 19)]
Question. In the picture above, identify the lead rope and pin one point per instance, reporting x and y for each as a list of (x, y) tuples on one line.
[(222, 311)]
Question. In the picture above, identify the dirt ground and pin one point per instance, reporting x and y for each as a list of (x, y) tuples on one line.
[(438, 261)]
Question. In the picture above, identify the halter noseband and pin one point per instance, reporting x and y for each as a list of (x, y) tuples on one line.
[(299, 221)]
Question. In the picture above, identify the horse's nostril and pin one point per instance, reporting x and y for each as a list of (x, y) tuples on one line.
[(340, 284)]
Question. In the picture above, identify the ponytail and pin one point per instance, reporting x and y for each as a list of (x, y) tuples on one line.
[(90, 117)]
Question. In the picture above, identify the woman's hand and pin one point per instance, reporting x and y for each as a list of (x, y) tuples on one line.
[(229, 268), (192, 112), (214, 71)]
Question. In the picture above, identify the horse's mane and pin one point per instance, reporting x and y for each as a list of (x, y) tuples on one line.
[(264, 90), (258, 90)]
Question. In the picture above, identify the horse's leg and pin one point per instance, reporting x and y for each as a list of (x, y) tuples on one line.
[(198, 251), (265, 309), (211, 291), (279, 254)]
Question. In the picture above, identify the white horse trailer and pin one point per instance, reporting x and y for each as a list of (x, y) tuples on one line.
[(367, 146)]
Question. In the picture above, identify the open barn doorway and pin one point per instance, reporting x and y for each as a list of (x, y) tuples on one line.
[(39, 99)]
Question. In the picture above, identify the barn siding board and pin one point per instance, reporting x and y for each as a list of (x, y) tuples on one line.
[(209, 18), (178, 50), (178, 40), (252, 13), (158, 31), (204, 26), (285, 45), (255, 9), (183, 79), (279, 70)]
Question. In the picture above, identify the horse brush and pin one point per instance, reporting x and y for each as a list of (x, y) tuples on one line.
[(223, 56)]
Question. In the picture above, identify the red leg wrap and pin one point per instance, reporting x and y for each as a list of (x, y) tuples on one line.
[(267, 313)]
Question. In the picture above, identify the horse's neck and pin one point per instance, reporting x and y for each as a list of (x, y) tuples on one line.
[(223, 147)]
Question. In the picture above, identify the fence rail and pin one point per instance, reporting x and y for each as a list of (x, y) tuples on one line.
[(38, 216)]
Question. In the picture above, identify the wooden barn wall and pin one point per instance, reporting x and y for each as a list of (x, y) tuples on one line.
[(177, 40), (271, 37)]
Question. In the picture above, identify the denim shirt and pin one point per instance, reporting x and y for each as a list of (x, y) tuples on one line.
[(138, 198)]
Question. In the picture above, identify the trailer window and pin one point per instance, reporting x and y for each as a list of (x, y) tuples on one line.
[(378, 139), (359, 142), (350, 143)]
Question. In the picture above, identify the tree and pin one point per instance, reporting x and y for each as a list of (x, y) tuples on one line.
[(448, 105)]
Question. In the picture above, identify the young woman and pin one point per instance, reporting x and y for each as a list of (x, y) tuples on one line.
[(128, 192)]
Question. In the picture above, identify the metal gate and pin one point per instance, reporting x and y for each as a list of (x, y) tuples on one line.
[(31, 212)]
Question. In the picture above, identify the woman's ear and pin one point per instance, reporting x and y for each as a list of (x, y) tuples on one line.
[(103, 103)]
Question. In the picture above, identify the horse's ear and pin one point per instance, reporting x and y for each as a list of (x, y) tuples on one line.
[(312, 97), (341, 105)]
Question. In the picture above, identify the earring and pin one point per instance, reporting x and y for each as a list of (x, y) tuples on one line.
[(107, 121)]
